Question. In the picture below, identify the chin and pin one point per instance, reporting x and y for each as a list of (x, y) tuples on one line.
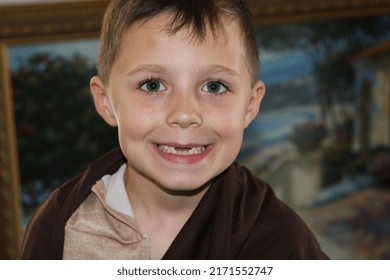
[(186, 187)]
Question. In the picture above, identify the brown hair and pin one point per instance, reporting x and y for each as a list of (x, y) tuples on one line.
[(197, 15)]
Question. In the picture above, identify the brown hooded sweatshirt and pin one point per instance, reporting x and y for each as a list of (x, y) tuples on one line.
[(239, 217)]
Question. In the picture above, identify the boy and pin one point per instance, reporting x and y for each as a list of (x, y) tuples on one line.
[(179, 80)]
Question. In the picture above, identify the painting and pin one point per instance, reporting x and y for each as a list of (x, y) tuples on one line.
[(321, 140), (58, 131), (52, 36)]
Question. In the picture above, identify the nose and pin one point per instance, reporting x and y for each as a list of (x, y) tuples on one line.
[(184, 111)]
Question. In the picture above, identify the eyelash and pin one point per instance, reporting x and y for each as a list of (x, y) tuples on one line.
[(222, 83), (158, 80), (150, 79)]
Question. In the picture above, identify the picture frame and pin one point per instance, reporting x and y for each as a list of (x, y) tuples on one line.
[(32, 23), (24, 24)]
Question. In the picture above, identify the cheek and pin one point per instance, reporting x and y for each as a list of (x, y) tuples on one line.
[(231, 119), (230, 127), (231, 136), (134, 128), (135, 116)]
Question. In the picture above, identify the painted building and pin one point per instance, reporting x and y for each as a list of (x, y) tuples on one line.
[(372, 97)]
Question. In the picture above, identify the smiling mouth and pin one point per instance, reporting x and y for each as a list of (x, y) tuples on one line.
[(182, 151)]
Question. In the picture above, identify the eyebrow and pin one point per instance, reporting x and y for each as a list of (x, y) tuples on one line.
[(149, 68), (208, 69), (219, 69)]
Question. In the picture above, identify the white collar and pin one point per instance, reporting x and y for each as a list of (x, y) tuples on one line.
[(115, 193)]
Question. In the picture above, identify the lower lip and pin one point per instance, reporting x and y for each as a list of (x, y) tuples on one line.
[(183, 159)]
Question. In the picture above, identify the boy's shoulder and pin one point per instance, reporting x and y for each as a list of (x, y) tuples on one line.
[(43, 238), (263, 225), (74, 191)]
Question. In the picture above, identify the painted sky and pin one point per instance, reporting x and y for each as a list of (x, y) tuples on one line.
[(18, 54), (275, 67)]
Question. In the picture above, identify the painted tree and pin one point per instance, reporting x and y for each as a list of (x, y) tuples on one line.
[(332, 43), (58, 129)]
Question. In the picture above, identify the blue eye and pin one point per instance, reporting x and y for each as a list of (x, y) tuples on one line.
[(215, 87), (152, 85)]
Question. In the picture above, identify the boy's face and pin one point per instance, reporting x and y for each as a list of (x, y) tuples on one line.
[(180, 107)]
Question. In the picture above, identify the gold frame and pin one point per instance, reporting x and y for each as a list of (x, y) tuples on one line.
[(25, 24), (279, 11), (47, 22)]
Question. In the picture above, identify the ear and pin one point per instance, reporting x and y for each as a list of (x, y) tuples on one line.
[(257, 95), (102, 101)]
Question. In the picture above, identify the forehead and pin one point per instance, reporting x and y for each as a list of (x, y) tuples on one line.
[(161, 26), (194, 33), (153, 42)]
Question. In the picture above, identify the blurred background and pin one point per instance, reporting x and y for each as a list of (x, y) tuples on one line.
[(322, 138)]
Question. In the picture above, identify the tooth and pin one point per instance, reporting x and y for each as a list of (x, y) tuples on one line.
[(182, 152)]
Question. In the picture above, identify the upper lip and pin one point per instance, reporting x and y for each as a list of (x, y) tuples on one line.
[(183, 146)]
